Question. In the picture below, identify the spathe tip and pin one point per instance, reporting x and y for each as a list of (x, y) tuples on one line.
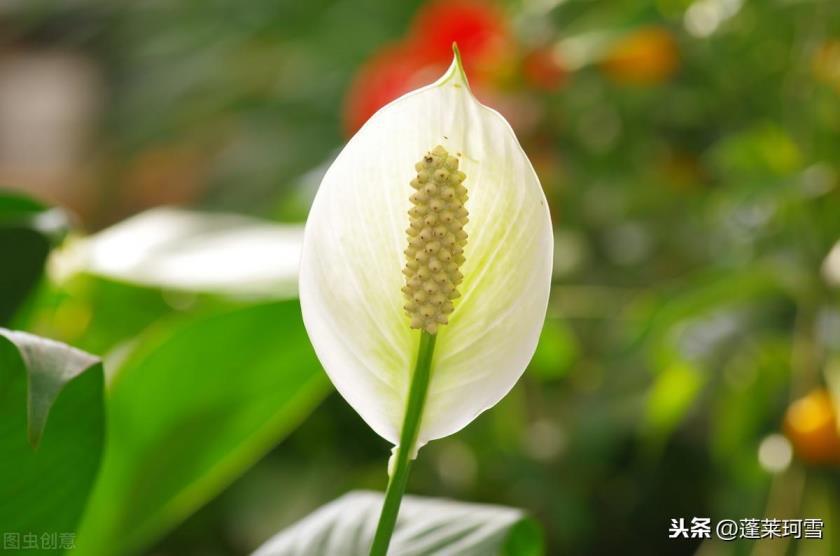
[(459, 63)]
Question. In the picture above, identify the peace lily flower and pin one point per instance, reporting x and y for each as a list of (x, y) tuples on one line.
[(426, 268)]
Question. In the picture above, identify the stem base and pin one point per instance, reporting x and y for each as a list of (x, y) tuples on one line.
[(408, 437)]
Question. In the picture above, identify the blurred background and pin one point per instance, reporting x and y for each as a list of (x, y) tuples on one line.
[(689, 151)]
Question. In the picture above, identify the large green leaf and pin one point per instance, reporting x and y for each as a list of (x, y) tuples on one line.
[(192, 407), (193, 251), (425, 526), (27, 232), (51, 434)]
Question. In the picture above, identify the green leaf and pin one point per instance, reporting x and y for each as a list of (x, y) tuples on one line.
[(193, 406), (754, 389), (759, 151), (28, 230), (672, 394), (556, 351), (51, 433), (701, 294), (425, 526)]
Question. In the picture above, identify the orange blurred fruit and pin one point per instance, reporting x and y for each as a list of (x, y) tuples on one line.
[(645, 57), (811, 425), (681, 170), (826, 63)]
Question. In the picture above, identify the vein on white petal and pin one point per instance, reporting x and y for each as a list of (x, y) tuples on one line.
[(350, 345), (475, 281), (385, 334), (360, 292), (518, 206), (469, 372)]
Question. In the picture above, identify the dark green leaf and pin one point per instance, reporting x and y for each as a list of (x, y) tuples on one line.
[(28, 231), (425, 526), (51, 433)]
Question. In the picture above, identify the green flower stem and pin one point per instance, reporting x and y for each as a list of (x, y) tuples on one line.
[(408, 437)]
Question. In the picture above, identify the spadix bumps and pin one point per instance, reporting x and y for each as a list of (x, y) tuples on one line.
[(436, 240), (386, 260)]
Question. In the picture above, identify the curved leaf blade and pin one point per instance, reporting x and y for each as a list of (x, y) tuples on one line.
[(195, 405), (191, 251), (51, 433), (28, 230), (426, 526)]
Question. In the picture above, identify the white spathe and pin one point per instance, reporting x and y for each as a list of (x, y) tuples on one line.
[(352, 259)]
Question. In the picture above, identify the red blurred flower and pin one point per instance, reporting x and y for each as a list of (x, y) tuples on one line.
[(392, 72), (479, 28), (544, 69), (483, 38)]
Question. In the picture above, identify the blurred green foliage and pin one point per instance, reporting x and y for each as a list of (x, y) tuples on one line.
[(27, 232), (689, 154), (195, 404)]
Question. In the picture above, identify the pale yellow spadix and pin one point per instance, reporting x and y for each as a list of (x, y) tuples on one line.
[(487, 256)]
